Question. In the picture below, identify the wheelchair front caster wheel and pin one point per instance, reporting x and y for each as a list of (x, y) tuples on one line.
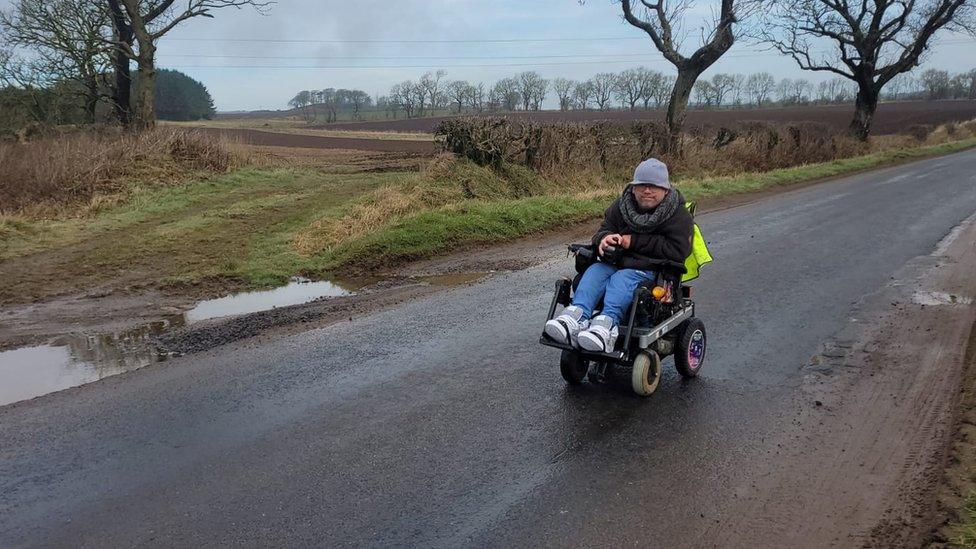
[(646, 374)]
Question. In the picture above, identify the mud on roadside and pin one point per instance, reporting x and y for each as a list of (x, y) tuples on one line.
[(959, 480), (862, 459)]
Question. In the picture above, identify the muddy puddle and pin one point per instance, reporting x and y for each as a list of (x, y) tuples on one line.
[(295, 292), (72, 360)]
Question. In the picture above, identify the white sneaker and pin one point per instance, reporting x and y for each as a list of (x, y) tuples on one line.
[(565, 327), (601, 336)]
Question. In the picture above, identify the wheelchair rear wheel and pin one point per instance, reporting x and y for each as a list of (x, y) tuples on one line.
[(689, 349)]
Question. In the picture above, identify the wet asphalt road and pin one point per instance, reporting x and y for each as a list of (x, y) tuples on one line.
[(444, 423)]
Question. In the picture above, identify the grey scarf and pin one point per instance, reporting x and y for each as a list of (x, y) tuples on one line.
[(645, 221)]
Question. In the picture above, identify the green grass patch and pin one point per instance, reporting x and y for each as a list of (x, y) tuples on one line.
[(966, 529), (449, 228), (752, 182)]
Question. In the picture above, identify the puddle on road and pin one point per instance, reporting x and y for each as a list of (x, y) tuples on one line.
[(70, 361), (73, 360), (294, 293), (940, 298)]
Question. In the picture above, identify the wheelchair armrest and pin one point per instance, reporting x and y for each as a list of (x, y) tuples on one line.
[(588, 252)]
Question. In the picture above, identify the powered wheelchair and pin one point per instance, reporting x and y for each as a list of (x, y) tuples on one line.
[(661, 321)]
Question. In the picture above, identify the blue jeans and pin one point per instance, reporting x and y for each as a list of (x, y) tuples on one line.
[(615, 286)]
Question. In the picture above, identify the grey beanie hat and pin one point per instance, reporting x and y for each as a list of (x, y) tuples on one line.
[(651, 172)]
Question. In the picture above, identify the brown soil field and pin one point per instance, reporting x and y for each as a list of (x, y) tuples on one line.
[(890, 118), (278, 139)]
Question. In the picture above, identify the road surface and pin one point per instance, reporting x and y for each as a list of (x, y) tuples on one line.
[(443, 422)]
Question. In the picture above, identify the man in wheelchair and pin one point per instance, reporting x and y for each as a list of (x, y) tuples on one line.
[(647, 222)]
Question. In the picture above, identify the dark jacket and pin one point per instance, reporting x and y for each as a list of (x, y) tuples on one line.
[(670, 240)]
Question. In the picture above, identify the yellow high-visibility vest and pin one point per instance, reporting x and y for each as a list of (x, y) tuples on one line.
[(699, 252)]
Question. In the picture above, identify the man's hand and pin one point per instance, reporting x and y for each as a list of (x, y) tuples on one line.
[(609, 240)]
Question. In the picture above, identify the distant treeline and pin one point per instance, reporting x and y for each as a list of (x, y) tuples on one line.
[(638, 88), (177, 97)]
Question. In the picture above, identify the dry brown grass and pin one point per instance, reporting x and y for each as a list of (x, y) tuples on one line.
[(55, 174), (298, 127), (442, 181), (331, 160)]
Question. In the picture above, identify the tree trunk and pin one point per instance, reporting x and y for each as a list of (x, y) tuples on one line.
[(91, 98), (864, 107), (145, 111), (122, 94), (678, 107)]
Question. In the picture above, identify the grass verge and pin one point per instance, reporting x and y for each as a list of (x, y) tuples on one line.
[(257, 226), (966, 529), (452, 226)]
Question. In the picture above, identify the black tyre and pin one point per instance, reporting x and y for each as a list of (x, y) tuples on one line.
[(689, 349), (573, 367)]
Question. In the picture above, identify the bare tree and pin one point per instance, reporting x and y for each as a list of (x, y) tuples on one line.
[(507, 93), (602, 85), (970, 80), (302, 101), (429, 85), (896, 87), (532, 89), (875, 41), (459, 92), (150, 20), (660, 20), (760, 86), (834, 90), (358, 99), (404, 96), (661, 90), (31, 79), (478, 97), (582, 93), (738, 88), (827, 90), (801, 88), (722, 86), (784, 90), (653, 81), (123, 39), (632, 86), (69, 38), (935, 83), (564, 91), (704, 93)]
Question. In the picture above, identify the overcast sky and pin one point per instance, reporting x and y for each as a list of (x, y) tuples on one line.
[(307, 35)]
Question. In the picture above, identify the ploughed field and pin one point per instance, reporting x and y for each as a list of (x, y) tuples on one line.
[(291, 140), (890, 117)]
